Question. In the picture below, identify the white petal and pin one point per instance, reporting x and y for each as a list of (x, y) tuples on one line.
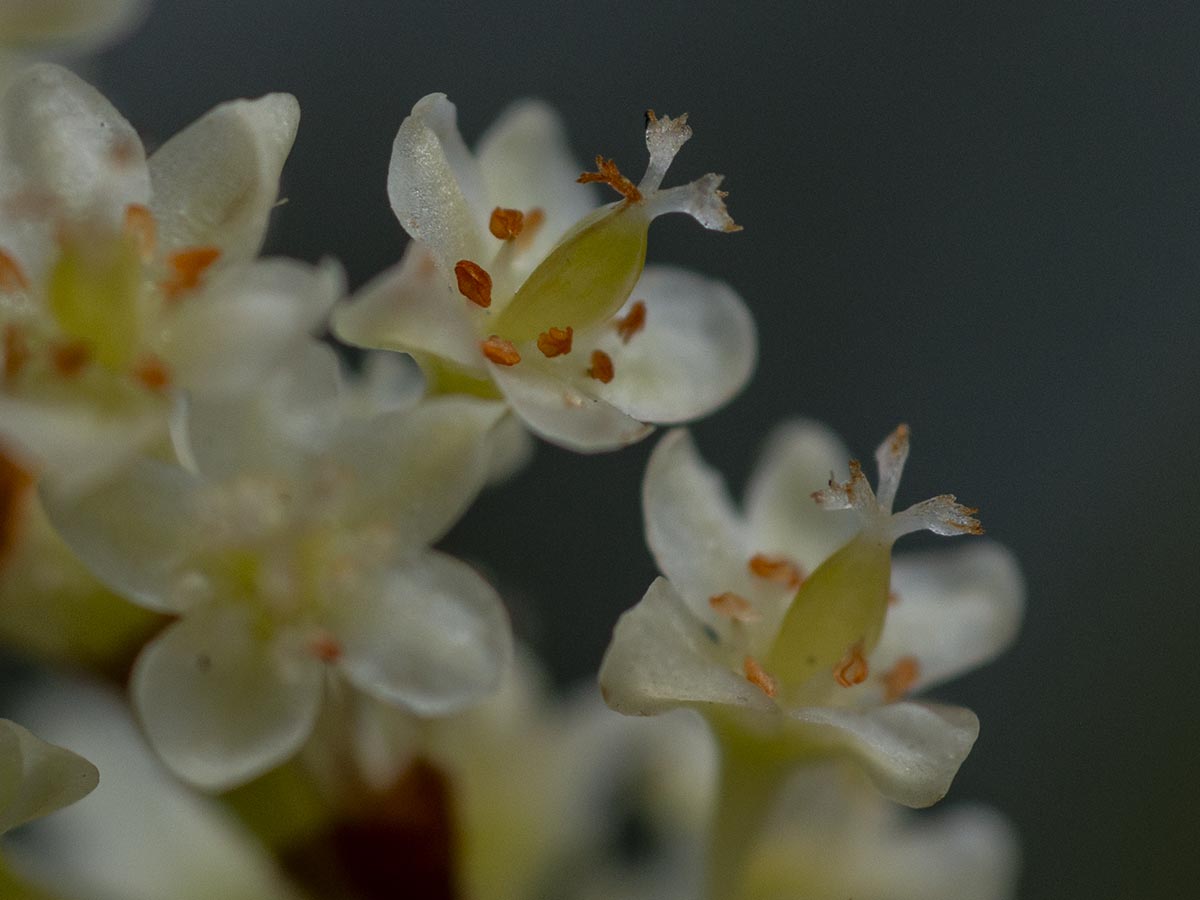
[(221, 704), (796, 461), (561, 413), (434, 184), (226, 338), (77, 22), (911, 751), (387, 382), (512, 450), (216, 181), (956, 610), (661, 657), (434, 638), (526, 164), (37, 778), (134, 531), (697, 350)]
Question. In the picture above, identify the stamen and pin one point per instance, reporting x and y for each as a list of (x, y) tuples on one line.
[(608, 173), (899, 680), (12, 276), (602, 367), (734, 607), (534, 220), (187, 268), (506, 224), (500, 351), (632, 322), (473, 282), (326, 648), (758, 676), (70, 358), (140, 225), (852, 669), (15, 483), (556, 341), (779, 569), (153, 374), (16, 351)]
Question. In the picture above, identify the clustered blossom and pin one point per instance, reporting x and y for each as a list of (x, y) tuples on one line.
[(202, 501)]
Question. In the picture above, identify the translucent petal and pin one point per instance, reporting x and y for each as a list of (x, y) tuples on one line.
[(216, 181), (512, 449), (222, 703), (37, 778), (661, 657), (434, 638), (387, 382), (910, 751), (796, 461), (696, 351), (77, 22)]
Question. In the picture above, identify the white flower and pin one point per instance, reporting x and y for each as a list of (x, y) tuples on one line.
[(37, 778), (789, 665), (122, 278), (515, 286), (299, 545)]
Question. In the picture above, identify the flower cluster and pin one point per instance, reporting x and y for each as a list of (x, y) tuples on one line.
[(233, 522)]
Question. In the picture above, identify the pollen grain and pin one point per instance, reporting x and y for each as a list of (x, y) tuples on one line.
[(556, 341), (900, 678), (12, 276), (632, 322), (779, 569), (187, 270), (506, 224), (474, 282), (852, 669), (602, 367), (733, 606), (758, 676), (500, 351)]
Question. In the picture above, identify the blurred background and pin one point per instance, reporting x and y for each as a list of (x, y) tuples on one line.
[(982, 219)]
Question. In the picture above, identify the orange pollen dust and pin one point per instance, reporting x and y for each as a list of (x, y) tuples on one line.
[(140, 225), (608, 173), (500, 351), (16, 351), (852, 669), (779, 569), (15, 485), (602, 367), (326, 648), (474, 282), (152, 373), (733, 606), (556, 341), (70, 357), (187, 268), (758, 676), (632, 322), (12, 276), (506, 224), (900, 678)]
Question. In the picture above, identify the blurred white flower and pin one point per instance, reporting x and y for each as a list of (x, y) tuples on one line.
[(515, 286), (297, 544)]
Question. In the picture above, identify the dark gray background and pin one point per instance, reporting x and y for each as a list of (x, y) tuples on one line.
[(978, 218)]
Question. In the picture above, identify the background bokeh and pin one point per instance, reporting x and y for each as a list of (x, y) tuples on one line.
[(982, 219)]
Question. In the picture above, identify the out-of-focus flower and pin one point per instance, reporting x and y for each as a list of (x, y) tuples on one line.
[(123, 279), (297, 546), (515, 287), (37, 778)]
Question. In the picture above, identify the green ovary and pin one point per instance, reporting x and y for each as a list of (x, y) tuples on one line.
[(585, 280), (94, 295)]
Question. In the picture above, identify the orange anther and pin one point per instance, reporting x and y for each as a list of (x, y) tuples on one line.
[(500, 351), (140, 225), (632, 322), (602, 367), (152, 373), (70, 357), (15, 485), (473, 282), (556, 341), (900, 678), (16, 351), (758, 676), (12, 276), (779, 569), (326, 648), (733, 606), (608, 173), (533, 223), (852, 669), (506, 224), (187, 268)]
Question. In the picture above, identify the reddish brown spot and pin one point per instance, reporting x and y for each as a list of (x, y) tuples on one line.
[(474, 282), (70, 358), (124, 152), (152, 373), (187, 269), (779, 569), (500, 351), (900, 678), (758, 676), (534, 219), (733, 606), (632, 322), (556, 341), (12, 276), (15, 486), (506, 224), (602, 367), (893, 598), (326, 648), (140, 225), (852, 669), (608, 173), (16, 351), (897, 440)]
